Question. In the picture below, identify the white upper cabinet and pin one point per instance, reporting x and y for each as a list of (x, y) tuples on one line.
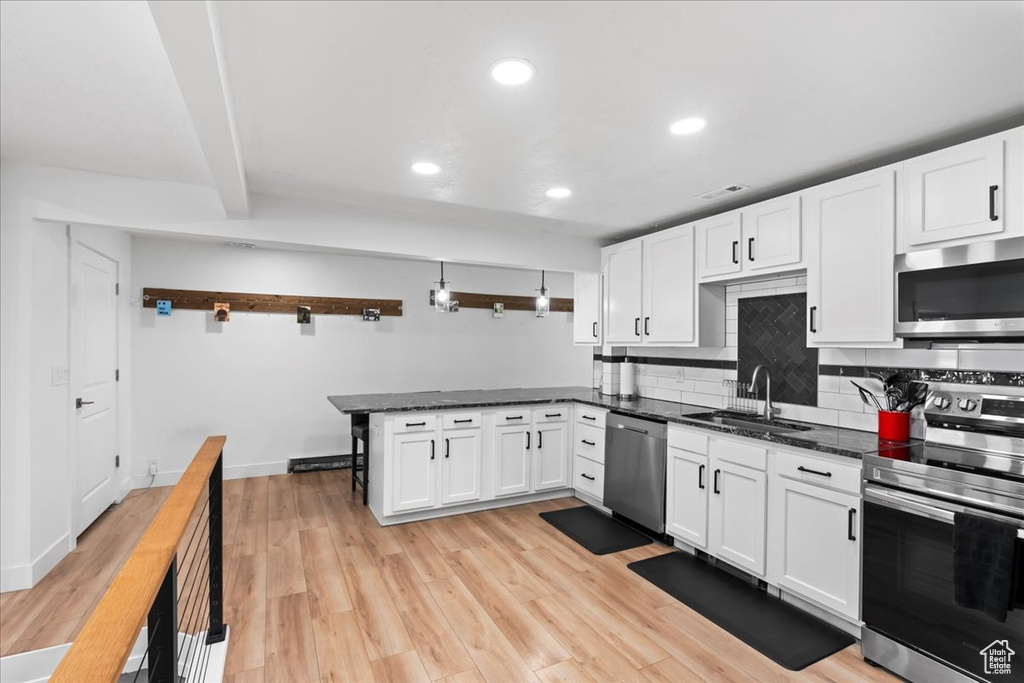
[(668, 286), (586, 316), (771, 234), (623, 285), (962, 193), (850, 240), (718, 245)]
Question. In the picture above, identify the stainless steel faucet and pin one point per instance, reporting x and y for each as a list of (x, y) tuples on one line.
[(769, 410)]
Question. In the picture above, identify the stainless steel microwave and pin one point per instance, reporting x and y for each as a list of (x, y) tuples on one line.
[(975, 291)]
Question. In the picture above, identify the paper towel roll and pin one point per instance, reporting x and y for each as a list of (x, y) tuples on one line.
[(627, 380)]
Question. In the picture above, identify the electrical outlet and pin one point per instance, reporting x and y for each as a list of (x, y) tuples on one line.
[(152, 468), (59, 375)]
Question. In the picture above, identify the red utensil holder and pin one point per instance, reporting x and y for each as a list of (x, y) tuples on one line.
[(893, 426)]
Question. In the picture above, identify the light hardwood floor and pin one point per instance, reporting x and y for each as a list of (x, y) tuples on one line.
[(317, 591)]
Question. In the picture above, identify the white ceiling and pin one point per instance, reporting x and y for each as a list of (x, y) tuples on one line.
[(335, 100)]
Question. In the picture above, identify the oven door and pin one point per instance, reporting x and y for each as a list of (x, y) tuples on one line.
[(908, 584)]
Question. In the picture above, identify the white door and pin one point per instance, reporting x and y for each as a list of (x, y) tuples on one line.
[(771, 234), (93, 372), (413, 476), (686, 497), (955, 193), (669, 281), (511, 460), (586, 309), (551, 457), (460, 468), (815, 544), (718, 245), (622, 287), (737, 526), (851, 247)]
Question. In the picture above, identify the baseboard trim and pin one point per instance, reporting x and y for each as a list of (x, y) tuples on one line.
[(259, 469), (478, 506), (22, 576), (15, 578)]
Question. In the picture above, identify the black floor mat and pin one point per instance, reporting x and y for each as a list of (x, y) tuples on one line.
[(595, 531), (785, 634)]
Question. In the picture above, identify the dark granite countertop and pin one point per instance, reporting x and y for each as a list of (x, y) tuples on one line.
[(837, 441)]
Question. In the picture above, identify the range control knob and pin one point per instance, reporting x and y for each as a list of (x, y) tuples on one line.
[(941, 402), (967, 404)]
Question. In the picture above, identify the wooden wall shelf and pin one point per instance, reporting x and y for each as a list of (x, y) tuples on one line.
[(512, 303), (267, 303)]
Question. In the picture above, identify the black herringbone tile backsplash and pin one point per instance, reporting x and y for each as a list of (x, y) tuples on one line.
[(772, 332)]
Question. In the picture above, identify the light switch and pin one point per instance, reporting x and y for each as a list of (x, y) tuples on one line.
[(59, 375)]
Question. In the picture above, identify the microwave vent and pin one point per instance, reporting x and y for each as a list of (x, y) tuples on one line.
[(723, 191)]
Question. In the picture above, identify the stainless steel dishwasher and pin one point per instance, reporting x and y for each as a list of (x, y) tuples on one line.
[(634, 470)]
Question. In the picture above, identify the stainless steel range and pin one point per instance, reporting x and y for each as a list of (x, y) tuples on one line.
[(972, 461)]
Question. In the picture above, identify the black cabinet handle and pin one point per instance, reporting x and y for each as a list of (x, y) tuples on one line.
[(431, 449), (636, 327), (647, 323), (552, 415), (447, 448), (735, 258), (992, 202), (818, 472), (717, 472), (595, 330), (527, 439), (750, 249), (700, 477), (587, 476), (515, 417), (589, 443), (540, 439), (589, 417), (79, 403), (459, 422), (415, 424), (849, 530), (813, 309)]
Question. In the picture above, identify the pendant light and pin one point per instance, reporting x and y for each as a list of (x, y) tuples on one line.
[(442, 295), (543, 299)]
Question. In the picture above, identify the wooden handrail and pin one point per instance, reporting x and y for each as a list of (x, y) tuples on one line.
[(101, 649)]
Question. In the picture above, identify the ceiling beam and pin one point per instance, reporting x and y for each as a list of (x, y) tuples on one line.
[(191, 36)]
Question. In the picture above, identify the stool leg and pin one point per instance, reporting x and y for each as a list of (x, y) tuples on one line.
[(366, 468), (354, 443)]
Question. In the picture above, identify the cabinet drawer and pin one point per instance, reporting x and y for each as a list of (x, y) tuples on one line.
[(416, 422), (558, 413), (688, 441), (512, 416), (588, 476), (748, 455), (825, 473), (589, 442), (460, 420), (591, 416)]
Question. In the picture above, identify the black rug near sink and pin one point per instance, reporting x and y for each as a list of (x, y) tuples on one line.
[(788, 636), (597, 532)]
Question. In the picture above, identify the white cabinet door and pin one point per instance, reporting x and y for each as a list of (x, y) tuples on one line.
[(413, 472), (460, 466), (738, 514), (511, 460), (686, 497), (668, 286), (551, 456), (586, 309), (955, 193), (718, 245), (622, 288), (814, 544), (771, 234), (850, 252)]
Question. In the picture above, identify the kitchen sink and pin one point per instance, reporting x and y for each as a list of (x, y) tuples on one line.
[(751, 423)]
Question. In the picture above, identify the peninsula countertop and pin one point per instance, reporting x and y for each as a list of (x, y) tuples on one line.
[(837, 441)]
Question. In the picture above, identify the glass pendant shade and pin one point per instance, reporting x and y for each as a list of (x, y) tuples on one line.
[(443, 294), (543, 299)]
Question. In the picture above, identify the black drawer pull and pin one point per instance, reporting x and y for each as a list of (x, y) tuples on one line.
[(717, 472), (415, 424), (587, 476), (850, 535), (589, 443), (515, 417), (735, 258), (589, 417), (552, 415), (700, 477), (992, 202), (459, 422), (813, 309), (595, 330), (810, 471)]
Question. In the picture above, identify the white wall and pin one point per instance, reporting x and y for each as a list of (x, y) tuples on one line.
[(263, 379)]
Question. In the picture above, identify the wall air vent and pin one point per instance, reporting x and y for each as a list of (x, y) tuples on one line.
[(723, 191), (240, 245)]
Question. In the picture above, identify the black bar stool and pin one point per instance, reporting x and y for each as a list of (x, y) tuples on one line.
[(360, 432)]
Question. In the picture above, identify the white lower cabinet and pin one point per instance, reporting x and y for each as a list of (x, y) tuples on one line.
[(686, 497), (737, 515), (512, 459), (412, 478), (551, 456), (460, 466), (589, 477)]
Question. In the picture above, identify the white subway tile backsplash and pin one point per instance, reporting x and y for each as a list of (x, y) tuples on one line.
[(664, 394), (996, 360), (829, 383), (862, 421), (706, 387), (707, 374), (872, 384), (847, 402), (732, 312), (801, 280), (829, 356), (793, 289), (823, 416), (911, 358), (732, 326), (731, 340)]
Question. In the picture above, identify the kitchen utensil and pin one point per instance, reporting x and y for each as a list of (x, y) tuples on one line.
[(865, 395)]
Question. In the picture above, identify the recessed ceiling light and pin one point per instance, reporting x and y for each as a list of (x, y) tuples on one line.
[(558, 192), (512, 71), (687, 126), (426, 168)]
